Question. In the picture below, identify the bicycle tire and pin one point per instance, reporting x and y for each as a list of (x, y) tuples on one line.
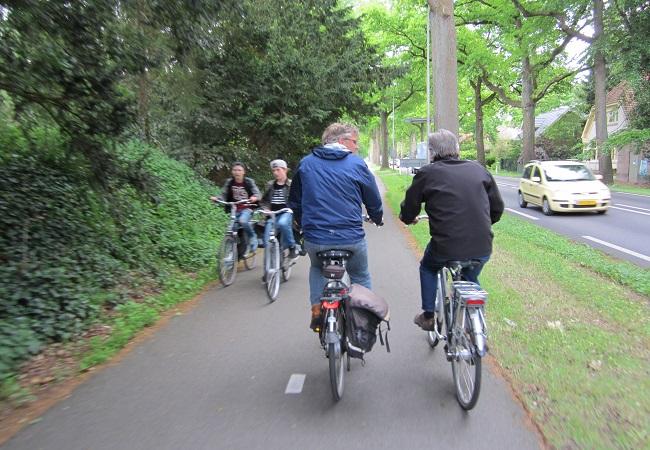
[(466, 370), (271, 266), (337, 369), (227, 261)]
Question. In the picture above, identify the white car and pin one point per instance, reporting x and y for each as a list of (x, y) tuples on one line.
[(563, 186)]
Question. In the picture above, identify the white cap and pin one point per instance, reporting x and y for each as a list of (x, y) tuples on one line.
[(278, 163)]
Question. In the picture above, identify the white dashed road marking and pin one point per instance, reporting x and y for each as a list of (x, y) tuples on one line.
[(522, 214), (620, 249), (295, 384)]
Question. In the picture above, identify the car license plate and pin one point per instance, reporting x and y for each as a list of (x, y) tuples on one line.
[(587, 202)]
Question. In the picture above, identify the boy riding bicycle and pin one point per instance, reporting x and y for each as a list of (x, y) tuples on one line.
[(240, 187), (275, 198)]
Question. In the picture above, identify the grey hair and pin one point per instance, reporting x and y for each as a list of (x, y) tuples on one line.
[(337, 130), (443, 144)]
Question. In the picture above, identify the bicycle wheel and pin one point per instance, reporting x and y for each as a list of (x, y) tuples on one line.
[(336, 369), (465, 364), (227, 260), (271, 266)]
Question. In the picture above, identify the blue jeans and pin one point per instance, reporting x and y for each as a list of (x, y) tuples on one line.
[(283, 227), (244, 220), (357, 266), (429, 267)]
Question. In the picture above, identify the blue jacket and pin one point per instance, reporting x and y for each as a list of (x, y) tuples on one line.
[(327, 191)]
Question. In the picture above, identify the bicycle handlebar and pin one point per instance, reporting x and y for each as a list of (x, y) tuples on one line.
[(239, 202), (268, 212)]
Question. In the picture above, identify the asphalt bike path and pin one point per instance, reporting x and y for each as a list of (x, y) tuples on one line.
[(217, 377)]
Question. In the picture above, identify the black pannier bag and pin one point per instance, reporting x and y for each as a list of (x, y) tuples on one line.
[(364, 314)]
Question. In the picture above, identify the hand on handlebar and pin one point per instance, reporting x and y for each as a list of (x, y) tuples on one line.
[(366, 218)]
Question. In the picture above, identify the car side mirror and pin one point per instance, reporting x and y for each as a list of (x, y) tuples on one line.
[(535, 179), (599, 177)]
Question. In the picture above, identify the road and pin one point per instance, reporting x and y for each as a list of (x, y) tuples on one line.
[(215, 378), (622, 232)]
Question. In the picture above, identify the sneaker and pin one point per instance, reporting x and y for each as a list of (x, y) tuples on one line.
[(424, 323), (293, 253)]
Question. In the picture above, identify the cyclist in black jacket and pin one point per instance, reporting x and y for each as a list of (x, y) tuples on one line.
[(462, 201)]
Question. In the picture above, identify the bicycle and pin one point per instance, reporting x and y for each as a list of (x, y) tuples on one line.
[(276, 259), (462, 306), (334, 299), (332, 330), (233, 247)]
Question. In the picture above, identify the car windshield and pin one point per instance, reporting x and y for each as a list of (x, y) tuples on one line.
[(569, 172)]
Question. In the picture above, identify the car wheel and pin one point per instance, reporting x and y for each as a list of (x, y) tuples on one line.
[(602, 211), (522, 203), (546, 207)]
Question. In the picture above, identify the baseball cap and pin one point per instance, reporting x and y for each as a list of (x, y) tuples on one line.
[(278, 163)]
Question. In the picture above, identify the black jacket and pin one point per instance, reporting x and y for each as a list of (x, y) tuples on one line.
[(462, 201)]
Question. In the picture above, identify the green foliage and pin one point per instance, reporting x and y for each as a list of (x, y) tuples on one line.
[(638, 138), (265, 83), (63, 60), (63, 244)]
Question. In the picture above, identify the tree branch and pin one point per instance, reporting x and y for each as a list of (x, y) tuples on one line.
[(560, 18), (556, 80), (500, 92)]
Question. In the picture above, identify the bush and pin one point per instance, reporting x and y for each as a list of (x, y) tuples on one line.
[(64, 245)]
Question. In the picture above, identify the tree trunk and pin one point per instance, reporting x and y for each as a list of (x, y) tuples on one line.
[(443, 40), (528, 109), (384, 139), (600, 79), (375, 147), (478, 127)]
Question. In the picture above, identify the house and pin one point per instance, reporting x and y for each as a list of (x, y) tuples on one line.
[(619, 107), (557, 132)]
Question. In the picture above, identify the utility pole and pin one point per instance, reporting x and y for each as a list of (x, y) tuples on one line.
[(443, 40)]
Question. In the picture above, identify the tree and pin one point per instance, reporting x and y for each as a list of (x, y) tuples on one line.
[(527, 43), (64, 60)]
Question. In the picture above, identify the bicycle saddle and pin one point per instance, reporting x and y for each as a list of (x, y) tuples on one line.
[(463, 264)]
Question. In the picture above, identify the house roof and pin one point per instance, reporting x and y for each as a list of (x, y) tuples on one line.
[(545, 120), (621, 94)]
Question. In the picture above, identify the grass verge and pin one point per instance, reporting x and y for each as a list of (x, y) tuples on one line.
[(133, 316), (570, 327)]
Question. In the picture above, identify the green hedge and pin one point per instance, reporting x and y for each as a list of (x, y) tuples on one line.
[(67, 250)]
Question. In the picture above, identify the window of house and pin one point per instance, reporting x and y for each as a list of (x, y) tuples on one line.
[(612, 116)]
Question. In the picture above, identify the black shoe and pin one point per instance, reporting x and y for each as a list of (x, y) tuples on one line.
[(427, 324), (293, 253)]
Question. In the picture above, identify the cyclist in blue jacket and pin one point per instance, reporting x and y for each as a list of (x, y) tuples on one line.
[(328, 190)]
